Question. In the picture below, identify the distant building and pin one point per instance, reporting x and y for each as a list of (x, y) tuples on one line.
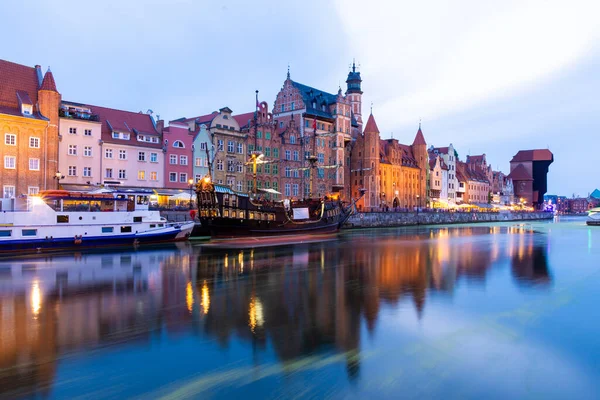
[(450, 157), (529, 170), (29, 104)]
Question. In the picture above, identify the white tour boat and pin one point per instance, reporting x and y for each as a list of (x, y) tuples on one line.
[(593, 216), (61, 220)]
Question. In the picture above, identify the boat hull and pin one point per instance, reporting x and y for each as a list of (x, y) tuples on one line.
[(231, 227), (593, 222), (42, 244)]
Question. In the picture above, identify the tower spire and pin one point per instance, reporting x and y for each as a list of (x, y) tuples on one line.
[(288, 73)]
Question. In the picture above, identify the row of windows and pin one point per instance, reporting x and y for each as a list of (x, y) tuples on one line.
[(182, 177), (10, 162), (86, 132), (183, 160), (108, 153), (10, 139), (231, 146), (9, 191)]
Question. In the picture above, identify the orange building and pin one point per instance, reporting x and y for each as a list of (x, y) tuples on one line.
[(29, 104)]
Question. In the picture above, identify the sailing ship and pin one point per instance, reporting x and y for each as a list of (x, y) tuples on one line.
[(227, 213)]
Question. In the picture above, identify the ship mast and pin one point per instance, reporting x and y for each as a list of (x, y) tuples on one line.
[(255, 153)]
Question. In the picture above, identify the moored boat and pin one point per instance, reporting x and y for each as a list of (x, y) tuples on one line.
[(62, 220), (593, 217)]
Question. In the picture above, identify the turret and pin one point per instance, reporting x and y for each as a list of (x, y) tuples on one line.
[(354, 93)]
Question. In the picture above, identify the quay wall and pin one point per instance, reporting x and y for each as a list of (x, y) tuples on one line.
[(388, 219)]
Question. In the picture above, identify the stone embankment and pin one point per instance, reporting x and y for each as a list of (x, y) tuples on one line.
[(388, 219)]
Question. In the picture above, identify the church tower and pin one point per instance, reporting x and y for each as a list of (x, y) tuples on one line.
[(370, 164), (354, 94), (419, 149)]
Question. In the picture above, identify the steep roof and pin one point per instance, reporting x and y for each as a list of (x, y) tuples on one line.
[(475, 159), (310, 95), (126, 121), (595, 194), (17, 78), (520, 174), (48, 82), (244, 119), (371, 126), (419, 139), (533, 155)]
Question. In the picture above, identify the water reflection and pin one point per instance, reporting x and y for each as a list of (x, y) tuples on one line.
[(293, 301)]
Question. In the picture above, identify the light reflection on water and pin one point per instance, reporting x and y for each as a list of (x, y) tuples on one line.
[(463, 311)]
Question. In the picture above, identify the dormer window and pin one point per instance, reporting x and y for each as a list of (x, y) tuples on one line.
[(27, 109), (120, 135), (225, 117), (179, 144)]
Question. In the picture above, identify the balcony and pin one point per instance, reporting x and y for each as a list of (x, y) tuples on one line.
[(73, 114)]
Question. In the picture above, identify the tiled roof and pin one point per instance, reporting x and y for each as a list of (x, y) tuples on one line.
[(419, 139), (13, 78), (371, 126), (126, 121), (48, 82), (24, 97), (520, 174), (533, 155), (310, 95), (461, 171), (244, 119), (475, 159), (408, 158), (442, 150)]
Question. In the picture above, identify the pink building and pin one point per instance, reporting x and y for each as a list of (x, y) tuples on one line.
[(178, 142)]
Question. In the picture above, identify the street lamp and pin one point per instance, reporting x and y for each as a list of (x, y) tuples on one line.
[(191, 183), (58, 176)]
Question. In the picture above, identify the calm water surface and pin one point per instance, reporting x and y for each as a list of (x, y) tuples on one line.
[(494, 311)]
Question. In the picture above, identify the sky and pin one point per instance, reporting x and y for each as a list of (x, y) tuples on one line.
[(491, 77)]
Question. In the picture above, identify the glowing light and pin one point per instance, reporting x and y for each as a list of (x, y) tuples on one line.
[(37, 201), (241, 261), (36, 299), (207, 179), (205, 298), (226, 260), (189, 296), (255, 314)]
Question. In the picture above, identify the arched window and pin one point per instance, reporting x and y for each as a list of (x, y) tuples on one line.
[(178, 144)]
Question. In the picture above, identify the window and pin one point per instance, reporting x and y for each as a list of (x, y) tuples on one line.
[(108, 153), (183, 177), (268, 135), (87, 132), (172, 176), (292, 139), (27, 109), (87, 171), (141, 156), (87, 151), (282, 108), (173, 159), (288, 190), (5, 233), (120, 135), (122, 154), (240, 167), (275, 152), (239, 189), (29, 232), (220, 145), (267, 168), (153, 157), (153, 176), (306, 123), (141, 175), (107, 229), (109, 173), (73, 131), (275, 169), (240, 148), (72, 149), (288, 154), (34, 142), (33, 190), (259, 135), (293, 106), (179, 144), (125, 229), (295, 189), (72, 170), (267, 152), (198, 162), (288, 172), (34, 164), (297, 173), (203, 146), (183, 160), (10, 162), (231, 166), (281, 124), (122, 174), (220, 165), (9, 191), (230, 146), (10, 139), (296, 157)]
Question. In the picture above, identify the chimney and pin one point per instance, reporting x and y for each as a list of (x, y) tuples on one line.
[(40, 76), (160, 125)]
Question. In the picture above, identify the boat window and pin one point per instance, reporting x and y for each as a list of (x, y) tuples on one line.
[(29, 232), (108, 205), (271, 217), (152, 225), (125, 229), (95, 206), (161, 225), (233, 201), (107, 229), (5, 233), (241, 214), (226, 213), (142, 200), (76, 205), (62, 219), (251, 215), (137, 219)]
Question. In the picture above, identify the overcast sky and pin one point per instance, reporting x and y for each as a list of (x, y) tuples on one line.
[(490, 77)]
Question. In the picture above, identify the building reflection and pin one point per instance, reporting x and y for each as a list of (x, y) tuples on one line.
[(297, 300)]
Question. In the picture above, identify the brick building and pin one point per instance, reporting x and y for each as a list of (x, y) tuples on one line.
[(29, 104), (529, 170)]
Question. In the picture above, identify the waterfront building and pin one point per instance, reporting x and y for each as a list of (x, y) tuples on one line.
[(29, 104), (293, 178), (481, 179), (230, 150), (450, 158), (79, 156), (502, 188), (438, 181), (130, 150), (529, 170), (329, 121), (202, 145), (476, 184), (178, 142), (364, 166)]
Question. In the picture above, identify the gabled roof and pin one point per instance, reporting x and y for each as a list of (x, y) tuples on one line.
[(244, 120), (310, 95), (520, 174), (13, 78), (419, 139), (475, 159), (23, 97), (441, 150), (533, 155), (371, 126), (48, 82)]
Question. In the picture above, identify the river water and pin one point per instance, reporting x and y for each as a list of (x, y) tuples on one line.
[(478, 311)]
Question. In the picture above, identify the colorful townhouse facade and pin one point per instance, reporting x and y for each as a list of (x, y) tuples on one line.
[(450, 158), (179, 156), (29, 123)]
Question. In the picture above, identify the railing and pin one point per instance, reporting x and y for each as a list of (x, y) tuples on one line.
[(78, 115)]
